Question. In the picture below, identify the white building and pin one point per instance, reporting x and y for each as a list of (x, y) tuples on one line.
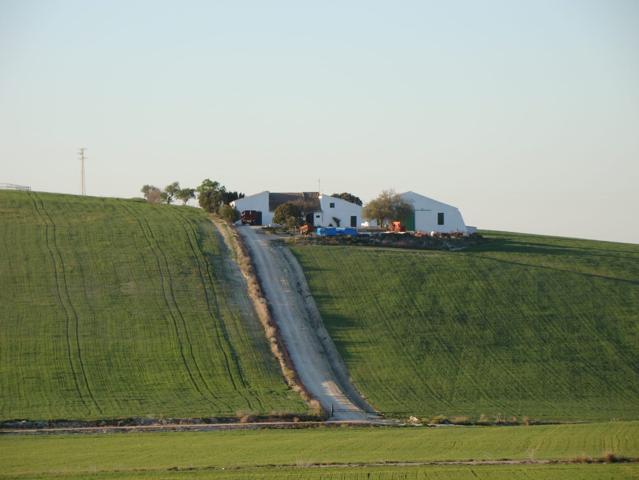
[(432, 216), (321, 210)]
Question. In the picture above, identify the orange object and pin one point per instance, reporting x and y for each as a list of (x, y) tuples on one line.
[(397, 227), (306, 229)]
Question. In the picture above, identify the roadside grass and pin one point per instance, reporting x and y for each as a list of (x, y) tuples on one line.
[(117, 308), (521, 328), (275, 452)]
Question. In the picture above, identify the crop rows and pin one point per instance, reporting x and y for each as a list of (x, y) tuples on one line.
[(521, 326), (117, 308)]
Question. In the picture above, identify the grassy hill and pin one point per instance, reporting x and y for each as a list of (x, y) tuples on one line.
[(116, 308), (523, 325)]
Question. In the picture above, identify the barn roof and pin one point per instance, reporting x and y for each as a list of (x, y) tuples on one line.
[(308, 200), (411, 197)]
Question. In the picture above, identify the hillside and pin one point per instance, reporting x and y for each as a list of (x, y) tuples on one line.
[(530, 326), (117, 308)]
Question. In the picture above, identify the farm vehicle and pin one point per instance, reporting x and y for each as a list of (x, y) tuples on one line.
[(251, 217)]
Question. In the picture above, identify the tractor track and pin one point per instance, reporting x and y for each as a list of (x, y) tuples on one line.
[(70, 313), (214, 312), (172, 307)]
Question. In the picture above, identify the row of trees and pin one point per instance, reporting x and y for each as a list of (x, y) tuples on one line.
[(211, 195), (171, 192)]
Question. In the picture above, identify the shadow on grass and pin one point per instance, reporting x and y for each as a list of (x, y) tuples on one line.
[(514, 246)]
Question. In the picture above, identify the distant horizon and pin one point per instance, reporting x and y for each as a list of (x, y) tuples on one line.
[(524, 115)]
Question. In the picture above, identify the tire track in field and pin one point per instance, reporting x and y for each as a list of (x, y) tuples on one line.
[(355, 278), (423, 313), (489, 355), (214, 310), (169, 299), (70, 313)]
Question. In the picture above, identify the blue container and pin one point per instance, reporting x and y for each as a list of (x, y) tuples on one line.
[(348, 231), (326, 231)]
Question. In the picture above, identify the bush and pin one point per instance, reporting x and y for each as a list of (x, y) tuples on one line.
[(286, 211), (229, 213)]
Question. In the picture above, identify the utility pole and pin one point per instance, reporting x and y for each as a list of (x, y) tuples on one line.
[(82, 157)]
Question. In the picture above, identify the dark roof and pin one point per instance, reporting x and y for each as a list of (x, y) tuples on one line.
[(309, 201)]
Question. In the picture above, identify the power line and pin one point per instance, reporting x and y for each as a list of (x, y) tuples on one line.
[(82, 179)]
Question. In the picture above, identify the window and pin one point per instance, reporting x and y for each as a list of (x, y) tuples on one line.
[(440, 218), (331, 205), (317, 216), (354, 221)]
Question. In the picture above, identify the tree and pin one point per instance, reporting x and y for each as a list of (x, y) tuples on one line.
[(228, 197), (349, 197), (170, 191), (210, 195), (152, 193), (229, 213), (288, 214), (185, 194), (388, 206)]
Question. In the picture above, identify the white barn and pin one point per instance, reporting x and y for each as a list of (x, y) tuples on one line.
[(432, 216), (322, 210)]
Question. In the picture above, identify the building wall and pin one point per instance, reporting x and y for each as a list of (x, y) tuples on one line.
[(341, 209), (426, 210), (258, 202)]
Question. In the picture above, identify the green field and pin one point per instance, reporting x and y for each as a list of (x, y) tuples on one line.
[(118, 308), (526, 326), (231, 454), (488, 472)]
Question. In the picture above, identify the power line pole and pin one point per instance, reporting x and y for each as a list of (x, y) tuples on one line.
[(82, 157)]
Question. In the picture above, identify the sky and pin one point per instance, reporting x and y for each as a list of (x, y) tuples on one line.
[(523, 114)]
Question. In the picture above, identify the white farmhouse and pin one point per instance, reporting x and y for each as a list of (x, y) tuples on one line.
[(322, 210), (432, 216)]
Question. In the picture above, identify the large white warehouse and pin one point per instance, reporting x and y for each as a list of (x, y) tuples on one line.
[(322, 210), (432, 216)]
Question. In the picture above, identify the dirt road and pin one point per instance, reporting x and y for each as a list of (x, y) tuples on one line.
[(312, 351)]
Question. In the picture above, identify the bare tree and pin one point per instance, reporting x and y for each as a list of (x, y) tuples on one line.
[(152, 193)]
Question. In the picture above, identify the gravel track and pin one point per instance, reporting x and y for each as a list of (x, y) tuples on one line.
[(312, 351)]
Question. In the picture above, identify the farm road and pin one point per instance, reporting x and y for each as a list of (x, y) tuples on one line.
[(316, 360)]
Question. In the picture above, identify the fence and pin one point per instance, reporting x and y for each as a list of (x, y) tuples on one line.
[(11, 186)]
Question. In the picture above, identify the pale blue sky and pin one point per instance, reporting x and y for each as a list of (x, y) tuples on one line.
[(525, 115)]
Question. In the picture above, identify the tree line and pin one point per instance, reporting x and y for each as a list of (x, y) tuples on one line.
[(212, 196)]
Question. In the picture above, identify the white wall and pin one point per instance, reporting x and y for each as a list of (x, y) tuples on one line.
[(426, 210), (258, 202), (341, 209)]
